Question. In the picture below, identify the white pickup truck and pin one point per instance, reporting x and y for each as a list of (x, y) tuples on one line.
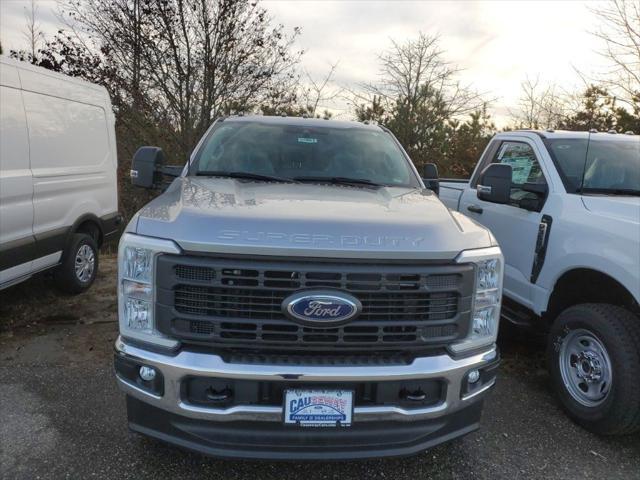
[(565, 209)]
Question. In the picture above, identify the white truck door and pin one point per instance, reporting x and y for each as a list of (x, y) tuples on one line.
[(17, 242), (515, 228)]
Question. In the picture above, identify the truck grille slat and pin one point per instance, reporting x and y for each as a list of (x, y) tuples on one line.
[(204, 300), (238, 303)]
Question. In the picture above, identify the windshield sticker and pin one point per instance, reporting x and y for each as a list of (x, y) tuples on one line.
[(307, 140), (520, 168)]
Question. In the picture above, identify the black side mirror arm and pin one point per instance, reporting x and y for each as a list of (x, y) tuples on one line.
[(171, 170), (531, 204), (431, 178), (539, 189), (148, 168), (432, 184)]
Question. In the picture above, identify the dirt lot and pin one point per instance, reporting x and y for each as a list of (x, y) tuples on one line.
[(36, 304), (62, 416)]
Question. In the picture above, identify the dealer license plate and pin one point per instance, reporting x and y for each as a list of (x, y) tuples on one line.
[(318, 408)]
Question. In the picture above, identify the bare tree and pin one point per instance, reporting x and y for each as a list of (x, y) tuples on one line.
[(540, 105), (320, 92), (414, 73), (186, 61), (620, 34), (32, 32), (304, 95), (418, 95), (171, 67)]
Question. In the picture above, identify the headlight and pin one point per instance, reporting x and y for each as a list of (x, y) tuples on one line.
[(485, 310), (136, 283)]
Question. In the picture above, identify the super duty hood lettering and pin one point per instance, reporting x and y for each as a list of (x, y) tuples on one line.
[(241, 217), (317, 240)]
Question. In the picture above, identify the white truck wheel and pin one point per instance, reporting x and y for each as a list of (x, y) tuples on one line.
[(594, 357)]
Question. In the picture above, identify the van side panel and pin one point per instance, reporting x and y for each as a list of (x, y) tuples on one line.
[(9, 75), (16, 189), (58, 166), (50, 83), (72, 165)]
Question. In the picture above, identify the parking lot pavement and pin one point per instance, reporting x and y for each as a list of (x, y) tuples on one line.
[(62, 416)]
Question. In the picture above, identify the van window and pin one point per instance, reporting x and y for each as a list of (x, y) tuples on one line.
[(55, 124), (14, 146), (16, 191)]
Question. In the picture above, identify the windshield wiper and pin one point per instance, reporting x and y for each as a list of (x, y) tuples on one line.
[(244, 175), (339, 181), (613, 191)]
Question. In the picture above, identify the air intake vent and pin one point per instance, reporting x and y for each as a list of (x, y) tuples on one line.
[(198, 274)]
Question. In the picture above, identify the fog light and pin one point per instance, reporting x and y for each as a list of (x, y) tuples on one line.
[(147, 373), (474, 376)]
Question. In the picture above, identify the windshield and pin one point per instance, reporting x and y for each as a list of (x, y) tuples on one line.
[(599, 164), (294, 152)]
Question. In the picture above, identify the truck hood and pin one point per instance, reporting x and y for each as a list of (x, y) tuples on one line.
[(622, 208), (241, 217)]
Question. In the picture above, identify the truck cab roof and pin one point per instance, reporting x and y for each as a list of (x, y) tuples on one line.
[(303, 122), (566, 134)]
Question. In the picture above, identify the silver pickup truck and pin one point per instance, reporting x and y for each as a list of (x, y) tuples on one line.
[(297, 293)]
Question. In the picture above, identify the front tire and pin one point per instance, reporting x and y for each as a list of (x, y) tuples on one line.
[(594, 362), (79, 265)]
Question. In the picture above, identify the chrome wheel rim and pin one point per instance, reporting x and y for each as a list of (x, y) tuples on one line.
[(585, 367), (85, 263)]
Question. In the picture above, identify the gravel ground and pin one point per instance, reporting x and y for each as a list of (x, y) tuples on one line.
[(62, 416)]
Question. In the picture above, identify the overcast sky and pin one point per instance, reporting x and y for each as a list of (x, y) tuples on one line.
[(497, 43)]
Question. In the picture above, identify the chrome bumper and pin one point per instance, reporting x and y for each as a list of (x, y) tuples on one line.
[(186, 363)]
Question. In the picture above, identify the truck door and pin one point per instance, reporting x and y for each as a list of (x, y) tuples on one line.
[(515, 227), (17, 243)]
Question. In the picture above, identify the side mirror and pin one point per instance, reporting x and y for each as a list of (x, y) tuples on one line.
[(147, 168), (431, 178), (531, 204), (534, 202), (539, 189), (494, 184), (145, 171)]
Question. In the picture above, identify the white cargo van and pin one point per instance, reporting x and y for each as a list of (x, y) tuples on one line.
[(58, 163)]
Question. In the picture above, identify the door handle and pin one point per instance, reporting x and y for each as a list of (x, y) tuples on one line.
[(475, 209)]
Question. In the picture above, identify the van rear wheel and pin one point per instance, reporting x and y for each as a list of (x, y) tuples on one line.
[(79, 264), (594, 359)]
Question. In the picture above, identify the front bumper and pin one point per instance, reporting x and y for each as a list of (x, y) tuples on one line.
[(257, 431)]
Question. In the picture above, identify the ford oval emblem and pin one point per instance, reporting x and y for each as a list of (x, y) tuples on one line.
[(319, 309)]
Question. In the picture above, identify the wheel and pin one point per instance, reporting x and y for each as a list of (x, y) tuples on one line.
[(79, 264), (594, 362)]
